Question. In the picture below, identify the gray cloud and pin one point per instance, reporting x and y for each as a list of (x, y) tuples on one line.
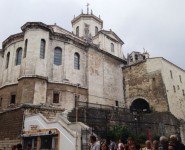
[(156, 25)]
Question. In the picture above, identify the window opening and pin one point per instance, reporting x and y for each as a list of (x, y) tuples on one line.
[(57, 56), (56, 97), (42, 48), (76, 61), (13, 99)]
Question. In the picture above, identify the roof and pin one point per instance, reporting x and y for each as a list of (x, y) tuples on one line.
[(87, 16), (105, 32), (155, 58), (168, 62), (37, 24), (12, 38)]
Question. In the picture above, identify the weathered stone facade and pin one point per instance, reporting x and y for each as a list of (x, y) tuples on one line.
[(10, 128), (36, 78), (155, 85), (149, 86)]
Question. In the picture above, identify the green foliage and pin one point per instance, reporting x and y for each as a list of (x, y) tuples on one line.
[(155, 137), (119, 132), (142, 138)]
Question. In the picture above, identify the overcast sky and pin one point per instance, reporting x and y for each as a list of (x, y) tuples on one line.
[(156, 25)]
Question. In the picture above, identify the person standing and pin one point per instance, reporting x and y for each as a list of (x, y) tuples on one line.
[(120, 145), (177, 144), (28, 147), (112, 145), (148, 145), (155, 145), (94, 144)]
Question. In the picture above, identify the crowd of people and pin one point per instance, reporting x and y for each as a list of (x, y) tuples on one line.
[(164, 143), (19, 147)]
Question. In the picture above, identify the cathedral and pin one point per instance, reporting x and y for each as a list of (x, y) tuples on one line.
[(48, 66)]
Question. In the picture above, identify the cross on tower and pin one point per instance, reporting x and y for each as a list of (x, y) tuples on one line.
[(87, 8)]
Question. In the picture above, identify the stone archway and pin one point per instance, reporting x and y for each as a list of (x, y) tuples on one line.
[(140, 105)]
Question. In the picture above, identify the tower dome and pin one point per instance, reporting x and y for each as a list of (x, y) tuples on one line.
[(86, 25)]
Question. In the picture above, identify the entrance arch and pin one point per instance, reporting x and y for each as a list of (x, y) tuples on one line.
[(140, 105)]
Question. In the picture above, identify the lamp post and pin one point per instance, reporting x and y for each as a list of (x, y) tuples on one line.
[(135, 119), (138, 116), (76, 107), (76, 101)]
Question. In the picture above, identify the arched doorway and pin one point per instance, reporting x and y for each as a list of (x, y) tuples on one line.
[(140, 105)]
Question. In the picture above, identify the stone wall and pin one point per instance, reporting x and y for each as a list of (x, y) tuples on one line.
[(105, 44), (159, 123), (139, 83), (10, 74), (10, 128), (5, 94), (171, 75), (26, 89), (66, 95), (104, 79)]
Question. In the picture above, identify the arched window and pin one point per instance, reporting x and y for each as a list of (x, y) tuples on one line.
[(96, 30), (112, 47), (25, 47), (76, 61), (57, 56), (42, 48), (77, 31), (7, 59), (19, 56)]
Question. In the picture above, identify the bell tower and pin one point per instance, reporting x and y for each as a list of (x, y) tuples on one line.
[(86, 25)]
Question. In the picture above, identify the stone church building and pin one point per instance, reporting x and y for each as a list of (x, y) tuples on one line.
[(48, 65)]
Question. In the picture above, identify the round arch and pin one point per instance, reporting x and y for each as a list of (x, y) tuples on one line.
[(140, 104)]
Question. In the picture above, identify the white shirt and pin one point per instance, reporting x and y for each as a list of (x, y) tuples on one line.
[(95, 146)]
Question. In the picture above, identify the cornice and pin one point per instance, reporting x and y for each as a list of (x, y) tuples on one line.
[(87, 16), (39, 25), (12, 38), (95, 47)]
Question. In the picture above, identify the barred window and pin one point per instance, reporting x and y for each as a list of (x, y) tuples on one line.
[(42, 48), (56, 97), (25, 47), (76, 61), (57, 56), (7, 59), (77, 31), (112, 47), (96, 30), (19, 56)]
